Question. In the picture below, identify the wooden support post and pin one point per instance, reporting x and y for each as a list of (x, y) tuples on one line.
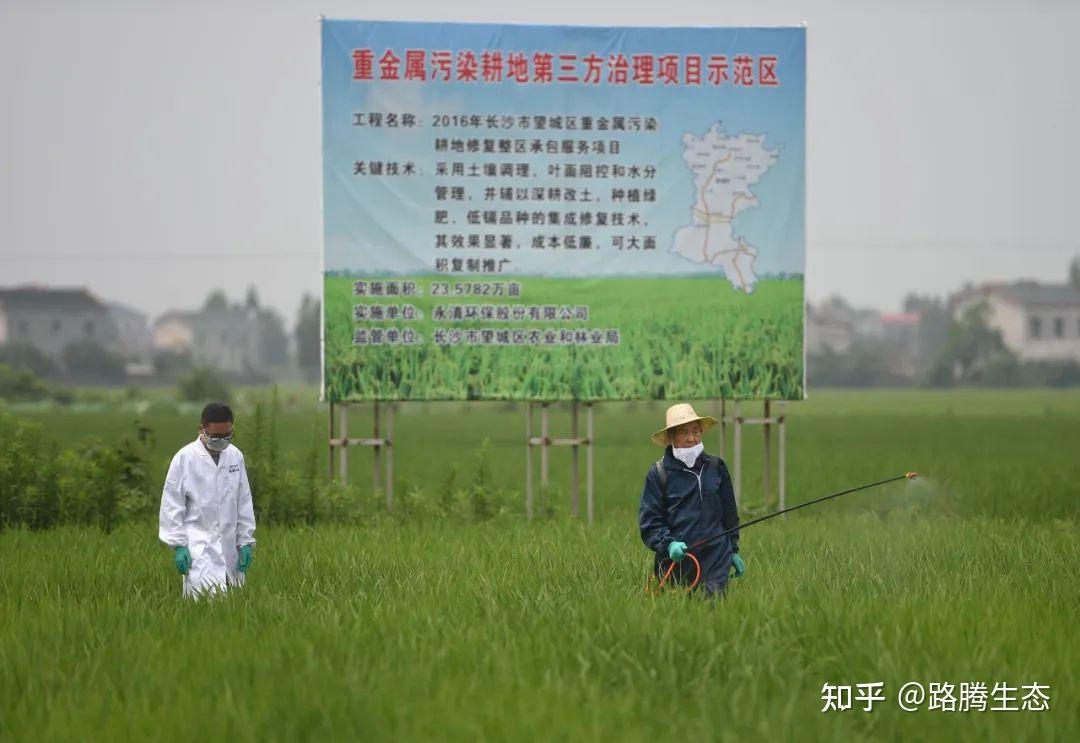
[(766, 456), (783, 454), (330, 453), (343, 456), (544, 449), (574, 499), (382, 442), (376, 470), (528, 461), (738, 452), (390, 457), (575, 442), (723, 427), (589, 464)]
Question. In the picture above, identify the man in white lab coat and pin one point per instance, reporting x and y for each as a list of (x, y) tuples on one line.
[(206, 515)]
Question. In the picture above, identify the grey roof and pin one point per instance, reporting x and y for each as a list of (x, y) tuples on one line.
[(39, 297), (1030, 293), (175, 315), (122, 310), (232, 314)]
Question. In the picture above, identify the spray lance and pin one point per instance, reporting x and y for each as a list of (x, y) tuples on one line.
[(697, 566)]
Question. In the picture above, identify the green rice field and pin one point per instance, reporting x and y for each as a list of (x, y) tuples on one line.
[(422, 626)]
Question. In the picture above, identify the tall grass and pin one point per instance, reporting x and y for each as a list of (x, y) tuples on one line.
[(509, 631), (455, 619)]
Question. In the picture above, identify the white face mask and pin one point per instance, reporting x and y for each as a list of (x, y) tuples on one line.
[(688, 456), (217, 443)]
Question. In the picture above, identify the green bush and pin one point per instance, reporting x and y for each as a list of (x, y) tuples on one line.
[(93, 484), (283, 499), (21, 385), (171, 365), (76, 502), (340, 503), (477, 501), (28, 478), (258, 441), (203, 384), (105, 484), (25, 356), (88, 361)]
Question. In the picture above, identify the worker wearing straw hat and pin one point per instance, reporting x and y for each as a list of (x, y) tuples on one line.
[(688, 497)]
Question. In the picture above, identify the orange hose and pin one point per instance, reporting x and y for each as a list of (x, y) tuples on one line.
[(671, 568)]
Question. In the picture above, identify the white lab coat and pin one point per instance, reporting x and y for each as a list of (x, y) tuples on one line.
[(206, 507)]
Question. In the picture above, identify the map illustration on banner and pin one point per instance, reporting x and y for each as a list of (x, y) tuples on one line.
[(562, 213), (725, 168)]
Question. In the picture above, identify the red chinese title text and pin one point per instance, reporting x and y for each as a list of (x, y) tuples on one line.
[(464, 66)]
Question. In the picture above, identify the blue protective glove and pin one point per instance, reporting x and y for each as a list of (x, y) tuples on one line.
[(738, 564), (677, 551), (182, 560), (245, 558)]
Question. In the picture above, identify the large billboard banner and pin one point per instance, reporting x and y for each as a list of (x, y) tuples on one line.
[(562, 213)]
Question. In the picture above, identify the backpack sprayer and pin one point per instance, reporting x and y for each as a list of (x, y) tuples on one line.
[(697, 565)]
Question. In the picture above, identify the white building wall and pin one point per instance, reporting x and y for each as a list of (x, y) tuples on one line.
[(173, 335), (52, 329), (1011, 320), (1049, 345), (228, 341), (1014, 320)]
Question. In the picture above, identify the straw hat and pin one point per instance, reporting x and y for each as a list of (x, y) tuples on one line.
[(678, 415)]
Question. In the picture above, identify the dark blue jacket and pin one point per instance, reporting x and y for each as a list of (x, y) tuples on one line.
[(700, 503)]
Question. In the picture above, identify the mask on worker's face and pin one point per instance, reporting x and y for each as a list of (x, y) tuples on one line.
[(690, 455), (217, 443)]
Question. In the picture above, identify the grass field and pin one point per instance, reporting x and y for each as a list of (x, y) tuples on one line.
[(753, 349), (418, 629)]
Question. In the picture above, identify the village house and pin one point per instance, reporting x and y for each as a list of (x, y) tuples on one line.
[(227, 339), (50, 320), (1037, 321)]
